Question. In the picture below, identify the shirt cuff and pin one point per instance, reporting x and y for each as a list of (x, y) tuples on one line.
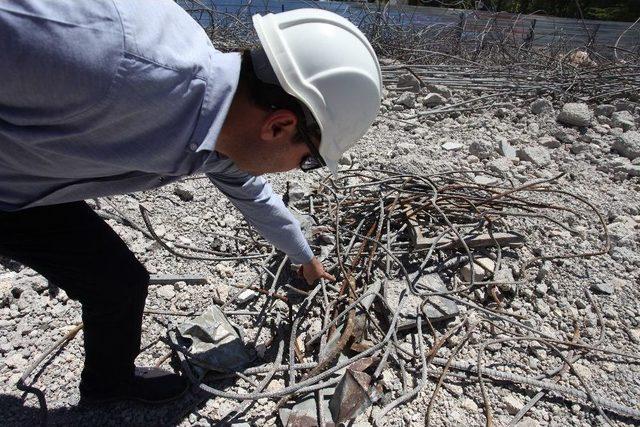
[(302, 257)]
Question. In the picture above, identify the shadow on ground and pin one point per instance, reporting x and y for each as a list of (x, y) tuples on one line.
[(18, 412)]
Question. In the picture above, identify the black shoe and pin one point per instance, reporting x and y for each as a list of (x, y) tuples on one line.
[(148, 385)]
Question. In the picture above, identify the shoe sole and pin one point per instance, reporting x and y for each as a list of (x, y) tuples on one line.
[(91, 401)]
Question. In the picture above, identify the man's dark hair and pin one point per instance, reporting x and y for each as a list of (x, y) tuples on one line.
[(268, 96)]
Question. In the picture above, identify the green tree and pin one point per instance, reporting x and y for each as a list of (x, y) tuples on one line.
[(608, 10)]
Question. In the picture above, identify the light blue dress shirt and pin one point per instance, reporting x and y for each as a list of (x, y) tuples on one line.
[(107, 97)]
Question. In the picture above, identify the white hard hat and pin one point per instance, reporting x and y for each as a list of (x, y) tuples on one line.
[(326, 62)]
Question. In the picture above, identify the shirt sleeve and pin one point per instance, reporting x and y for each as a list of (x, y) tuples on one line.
[(264, 210)]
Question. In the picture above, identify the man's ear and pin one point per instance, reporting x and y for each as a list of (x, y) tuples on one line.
[(279, 125)]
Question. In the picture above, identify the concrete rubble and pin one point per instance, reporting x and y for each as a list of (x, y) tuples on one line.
[(427, 130)]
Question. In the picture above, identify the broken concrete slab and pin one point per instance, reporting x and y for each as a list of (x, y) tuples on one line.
[(436, 309), (506, 150), (539, 156), (482, 268)]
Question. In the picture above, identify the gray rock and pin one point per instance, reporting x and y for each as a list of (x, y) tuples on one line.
[(485, 180), (408, 99), (15, 361), (505, 149), (452, 146), (621, 232), (481, 268), (605, 110), (436, 308), (632, 170), (481, 149), (575, 114), (542, 308), (183, 193), (6, 346), (27, 299), (504, 278), (433, 100), (625, 255), (469, 405), (549, 142), (346, 160), (405, 148), (6, 297), (603, 288), (494, 346), (166, 292), (408, 82), (543, 271), (246, 296), (628, 144), (624, 120), (528, 422), (500, 165), (440, 90), (541, 289), (540, 106), (579, 147), (566, 136), (512, 404), (539, 156), (501, 113), (39, 284)]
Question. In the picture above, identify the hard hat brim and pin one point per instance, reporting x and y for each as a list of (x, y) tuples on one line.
[(333, 166)]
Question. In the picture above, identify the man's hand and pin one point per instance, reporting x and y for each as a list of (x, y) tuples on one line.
[(314, 271)]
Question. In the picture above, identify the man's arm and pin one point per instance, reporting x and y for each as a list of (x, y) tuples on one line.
[(265, 211)]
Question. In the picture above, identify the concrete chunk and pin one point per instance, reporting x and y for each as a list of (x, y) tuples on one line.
[(628, 144), (575, 114), (539, 156)]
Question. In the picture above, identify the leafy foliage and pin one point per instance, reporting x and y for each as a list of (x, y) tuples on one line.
[(608, 10)]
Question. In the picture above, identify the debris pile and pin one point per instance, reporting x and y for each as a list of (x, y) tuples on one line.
[(464, 297), (424, 265)]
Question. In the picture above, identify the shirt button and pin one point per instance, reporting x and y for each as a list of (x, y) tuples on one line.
[(193, 147)]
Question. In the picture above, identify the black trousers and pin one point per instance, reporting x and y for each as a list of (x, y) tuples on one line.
[(73, 247)]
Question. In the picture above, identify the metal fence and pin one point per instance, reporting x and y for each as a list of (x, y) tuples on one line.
[(535, 30)]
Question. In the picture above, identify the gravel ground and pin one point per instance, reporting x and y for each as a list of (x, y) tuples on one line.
[(596, 145)]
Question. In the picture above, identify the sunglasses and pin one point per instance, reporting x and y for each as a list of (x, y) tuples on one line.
[(314, 160)]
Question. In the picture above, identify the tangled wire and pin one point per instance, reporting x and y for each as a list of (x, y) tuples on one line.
[(399, 244)]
